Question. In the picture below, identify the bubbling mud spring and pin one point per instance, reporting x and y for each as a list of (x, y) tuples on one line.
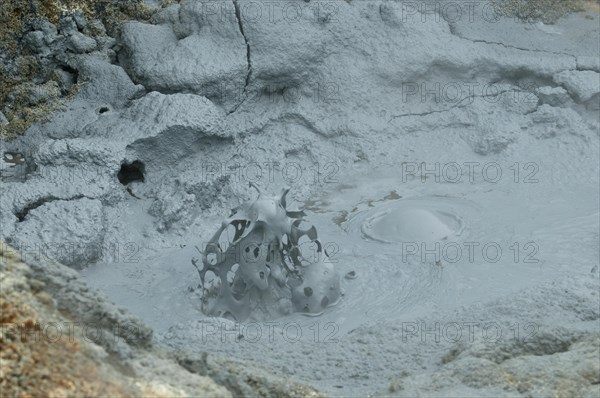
[(400, 249), (144, 161)]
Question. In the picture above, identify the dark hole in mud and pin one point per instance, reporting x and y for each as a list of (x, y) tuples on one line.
[(104, 109), (131, 172), (308, 291), (72, 71)]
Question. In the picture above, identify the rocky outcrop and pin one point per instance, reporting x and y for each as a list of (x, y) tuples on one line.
[(578, 85), (556, 363), (213, 47), (41, 47), (61, 338)]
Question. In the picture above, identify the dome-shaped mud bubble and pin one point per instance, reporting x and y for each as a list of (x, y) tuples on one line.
[(406, 221), (262, 264)]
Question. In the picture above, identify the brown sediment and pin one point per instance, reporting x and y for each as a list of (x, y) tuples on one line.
[(592, 5), (34, 362)]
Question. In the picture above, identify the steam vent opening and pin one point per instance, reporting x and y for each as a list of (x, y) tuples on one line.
[(130, 172)]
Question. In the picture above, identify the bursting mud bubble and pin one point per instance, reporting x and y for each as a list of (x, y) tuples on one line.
[(256, 257)]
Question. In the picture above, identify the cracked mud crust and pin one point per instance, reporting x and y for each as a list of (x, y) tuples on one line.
[(119, 188), (239, 18)]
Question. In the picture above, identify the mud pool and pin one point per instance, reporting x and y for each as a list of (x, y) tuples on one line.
[(438, 211), (475, 240)]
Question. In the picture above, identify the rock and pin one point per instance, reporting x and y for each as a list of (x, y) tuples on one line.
[(96, 28), (553, 96), (106, 42), (170, 16), (588, 63), (561, 364), (210, 61), (80, 19), (80, 43), (582, 85), (104, 82), (67, 25), (3, 119), (171, 127), (77, 152), (49, 30), (36, 41), (65, 79), (76, 236), (159, 112)]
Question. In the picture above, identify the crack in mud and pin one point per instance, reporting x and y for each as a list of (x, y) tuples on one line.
[(238, 16), (471, 98), (22, 214), (455, 33)]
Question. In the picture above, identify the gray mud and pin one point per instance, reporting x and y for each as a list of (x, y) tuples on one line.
[(450, 165)]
